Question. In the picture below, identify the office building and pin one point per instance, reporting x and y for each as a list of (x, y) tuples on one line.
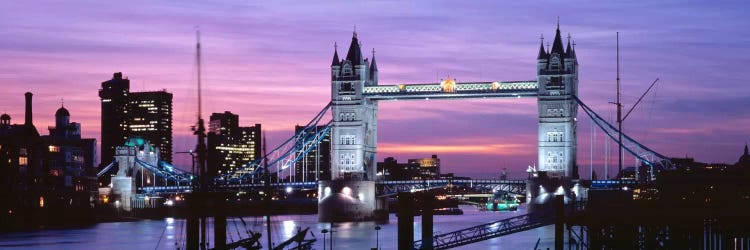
[(126, 114), (150, 117), (429, 168), (230, 146)]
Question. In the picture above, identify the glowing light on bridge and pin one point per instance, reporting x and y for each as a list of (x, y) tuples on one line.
[(448, 85)]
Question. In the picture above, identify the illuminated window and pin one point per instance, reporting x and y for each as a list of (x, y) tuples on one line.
[(54, 149), (347, 139), (23, 161)]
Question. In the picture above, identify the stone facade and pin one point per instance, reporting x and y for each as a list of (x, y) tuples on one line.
[(557, 77)]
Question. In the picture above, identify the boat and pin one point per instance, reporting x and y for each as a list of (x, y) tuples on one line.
[(502, 202)]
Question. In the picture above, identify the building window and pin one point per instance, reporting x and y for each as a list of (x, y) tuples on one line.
[(54, 149), (555, 136), (23, 161), (347, 139)]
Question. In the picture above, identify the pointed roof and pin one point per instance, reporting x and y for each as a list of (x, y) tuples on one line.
[(355, 53), (336, 60), (542, 53), (373, 65), (573, 51), (746, 153), (569, 50), (557, 45)]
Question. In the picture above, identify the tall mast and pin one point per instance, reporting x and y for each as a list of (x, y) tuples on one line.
[(619, 109), (267, 192), (198, 60)]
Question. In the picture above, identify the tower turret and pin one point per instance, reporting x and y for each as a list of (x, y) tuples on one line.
[(5, 119), (373, 70), (336, 64), (62, 117)]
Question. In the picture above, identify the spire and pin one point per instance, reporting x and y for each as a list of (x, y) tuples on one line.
[(557, 45), (573, 52), (373, 65), (542, 53), (355, 53), (336, 60), (569, 50), (746, 148)]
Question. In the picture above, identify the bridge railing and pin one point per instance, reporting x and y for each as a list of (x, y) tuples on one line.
[(489, 230), (285, 155)]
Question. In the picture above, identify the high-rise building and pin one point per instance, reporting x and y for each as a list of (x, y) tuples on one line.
[(114, 97), (150, 117), (229, 145), (316, 165), (126, 114)]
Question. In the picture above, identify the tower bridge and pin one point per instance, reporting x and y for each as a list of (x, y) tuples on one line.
[(355, 94), (355, 192)]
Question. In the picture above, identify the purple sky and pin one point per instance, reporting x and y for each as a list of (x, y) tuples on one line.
[(269, 63)]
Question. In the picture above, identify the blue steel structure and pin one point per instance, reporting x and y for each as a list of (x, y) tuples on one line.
[(296, 147)]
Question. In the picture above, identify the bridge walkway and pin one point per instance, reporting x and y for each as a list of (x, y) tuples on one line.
[(489, 230)]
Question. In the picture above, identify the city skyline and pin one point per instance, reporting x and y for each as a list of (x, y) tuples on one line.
[(254, 57)]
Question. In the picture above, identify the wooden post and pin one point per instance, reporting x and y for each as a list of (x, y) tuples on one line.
[(427, 220), (192, 223), (559, 222), (220, 221), (405, 221)]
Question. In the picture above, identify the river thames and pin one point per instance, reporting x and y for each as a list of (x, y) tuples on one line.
[(169, 233)]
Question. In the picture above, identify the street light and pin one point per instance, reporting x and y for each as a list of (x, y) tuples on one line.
[(324, 232), (377, 237)]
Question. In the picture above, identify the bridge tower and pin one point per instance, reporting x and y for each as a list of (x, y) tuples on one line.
[(350, 194), (557, 76)]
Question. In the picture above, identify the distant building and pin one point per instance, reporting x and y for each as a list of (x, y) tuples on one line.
[(316, 165), (229, 145), (126, 114), (391, 170), (429, 168), (744, 160)]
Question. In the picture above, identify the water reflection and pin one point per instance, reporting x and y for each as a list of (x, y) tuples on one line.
[(169, 233)]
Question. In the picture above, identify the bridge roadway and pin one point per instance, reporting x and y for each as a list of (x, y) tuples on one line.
[(385, 187), (392, 187)]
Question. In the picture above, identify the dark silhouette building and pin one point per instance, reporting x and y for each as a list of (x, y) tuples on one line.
[(114, 97), (21, 168), (125, 114), (744, 160), (229, 145), (316, 165), (391, 170), (45, 178), (70, 161)]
